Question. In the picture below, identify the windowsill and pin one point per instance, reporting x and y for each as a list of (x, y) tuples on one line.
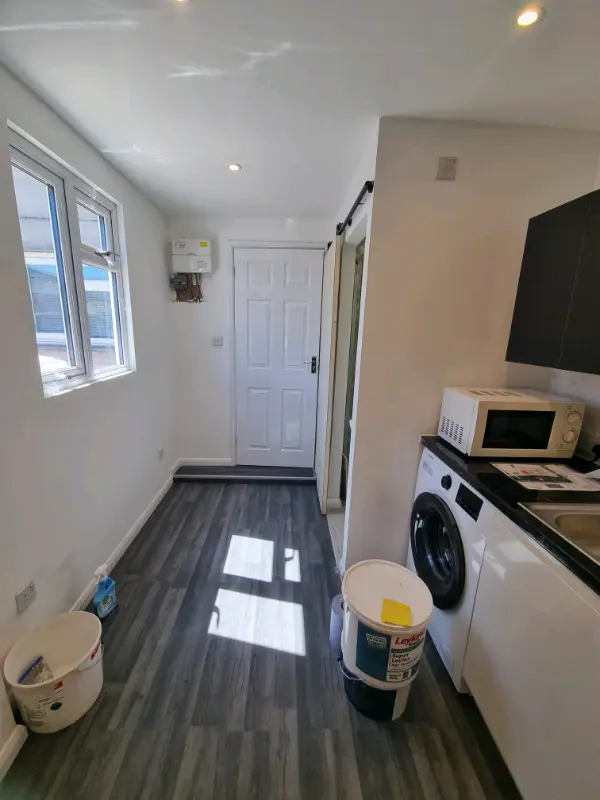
[(64, 387)]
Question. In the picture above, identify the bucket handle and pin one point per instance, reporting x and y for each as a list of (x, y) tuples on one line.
[(346, 674), (95, 663)]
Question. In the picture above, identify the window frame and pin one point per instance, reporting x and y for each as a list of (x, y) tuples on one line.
[(40, 171), (109, 261), (71, 191)]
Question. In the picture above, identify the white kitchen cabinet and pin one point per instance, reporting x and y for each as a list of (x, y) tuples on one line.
[(533, 666)]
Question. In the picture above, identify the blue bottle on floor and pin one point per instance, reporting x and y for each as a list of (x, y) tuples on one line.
[(105, 599)]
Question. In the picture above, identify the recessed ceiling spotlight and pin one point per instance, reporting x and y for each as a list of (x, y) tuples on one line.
[(235, 167), (529, 16)]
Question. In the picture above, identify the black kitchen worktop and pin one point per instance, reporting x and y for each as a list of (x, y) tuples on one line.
[(506, 494)]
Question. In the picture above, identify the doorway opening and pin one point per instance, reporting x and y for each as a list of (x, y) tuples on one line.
[(352, 273), (355, 319)]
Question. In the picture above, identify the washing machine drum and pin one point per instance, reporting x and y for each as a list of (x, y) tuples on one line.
[(437, 549)]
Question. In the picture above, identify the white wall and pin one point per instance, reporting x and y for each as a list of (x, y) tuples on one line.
[(364, 171), (80, 468), (203, 373), (440, 283)]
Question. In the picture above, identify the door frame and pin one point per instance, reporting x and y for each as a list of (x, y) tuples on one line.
[(358, 230), (325, 411), (253, 244)]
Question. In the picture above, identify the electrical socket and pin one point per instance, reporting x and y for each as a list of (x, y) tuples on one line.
[(161, 453), (25, 597)]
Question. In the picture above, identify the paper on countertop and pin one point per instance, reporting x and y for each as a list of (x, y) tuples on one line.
[(548, 477)]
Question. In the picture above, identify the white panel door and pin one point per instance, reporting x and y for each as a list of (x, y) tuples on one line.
[(277, 323)]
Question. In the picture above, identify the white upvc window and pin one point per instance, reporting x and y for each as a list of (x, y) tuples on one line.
[(73, 258)]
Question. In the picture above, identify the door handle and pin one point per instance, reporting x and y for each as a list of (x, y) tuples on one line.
[(313, 364)]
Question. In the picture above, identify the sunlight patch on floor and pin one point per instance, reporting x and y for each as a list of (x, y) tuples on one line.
[(277, 624), (291, 564), (249, 557)]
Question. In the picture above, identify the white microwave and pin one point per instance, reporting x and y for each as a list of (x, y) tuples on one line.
[(511, 423)]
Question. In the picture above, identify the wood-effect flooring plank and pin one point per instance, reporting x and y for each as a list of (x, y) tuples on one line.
[(197, 772)]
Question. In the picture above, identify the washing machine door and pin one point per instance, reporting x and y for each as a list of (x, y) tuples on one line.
[(437, 549)]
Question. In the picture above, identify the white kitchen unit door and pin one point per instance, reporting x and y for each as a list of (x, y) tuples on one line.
[(277, 324), (532, 666)]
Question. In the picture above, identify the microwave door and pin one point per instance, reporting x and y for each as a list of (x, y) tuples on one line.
[(517, 429)]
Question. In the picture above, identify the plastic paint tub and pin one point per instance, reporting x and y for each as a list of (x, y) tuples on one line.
[(336, 623), (71, 646), (378, 704), (385, 656)]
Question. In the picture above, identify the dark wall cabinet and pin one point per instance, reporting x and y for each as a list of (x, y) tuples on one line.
[(556, 321)]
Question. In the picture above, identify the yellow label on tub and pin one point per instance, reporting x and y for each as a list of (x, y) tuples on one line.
[(395, 613)]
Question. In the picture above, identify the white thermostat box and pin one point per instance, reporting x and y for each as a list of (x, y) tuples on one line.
[(191, 255)]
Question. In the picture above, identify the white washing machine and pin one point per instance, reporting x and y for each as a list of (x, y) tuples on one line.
[(447, 543)]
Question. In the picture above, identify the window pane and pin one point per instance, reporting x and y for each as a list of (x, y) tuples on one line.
[(92, 228), (102, 301), (36, 202)]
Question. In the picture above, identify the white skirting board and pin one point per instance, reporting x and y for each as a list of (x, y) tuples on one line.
[(11, 749), (116, 554)]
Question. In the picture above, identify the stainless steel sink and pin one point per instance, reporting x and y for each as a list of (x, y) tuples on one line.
[(579, 524)]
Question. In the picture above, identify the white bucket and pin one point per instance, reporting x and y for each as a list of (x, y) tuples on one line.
[(374, 703), (70, 645), (384, 656)]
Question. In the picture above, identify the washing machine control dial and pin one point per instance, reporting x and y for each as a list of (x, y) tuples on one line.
[(446, 482)]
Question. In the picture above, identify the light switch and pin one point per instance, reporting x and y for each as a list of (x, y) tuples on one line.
[(447, 166), (217, 341)]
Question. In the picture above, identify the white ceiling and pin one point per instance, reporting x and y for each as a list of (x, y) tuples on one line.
[(172, 92)]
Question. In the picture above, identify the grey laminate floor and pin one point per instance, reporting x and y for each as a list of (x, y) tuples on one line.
[(190, 714)]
